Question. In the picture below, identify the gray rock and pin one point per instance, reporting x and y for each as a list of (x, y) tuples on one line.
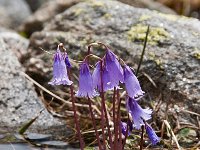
[(171, 59), (18, 100), (45, 13), (5, 21), (14, 41), (13, 13), (35, 4)]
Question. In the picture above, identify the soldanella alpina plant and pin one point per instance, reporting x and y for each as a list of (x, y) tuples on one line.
[(109, 74)]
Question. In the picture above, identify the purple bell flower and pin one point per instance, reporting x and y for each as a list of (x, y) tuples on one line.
[(59, 71), (66, 58), (105, 77), (86, 88), (114, 68), (151, 134), (132, 84), (123, 126), (137, 113)]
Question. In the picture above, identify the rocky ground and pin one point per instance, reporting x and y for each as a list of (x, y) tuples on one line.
[(170, 72)]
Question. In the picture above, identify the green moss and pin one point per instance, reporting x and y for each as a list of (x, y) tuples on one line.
[(155, 59), (144, 17), (78, 11), (158, 62), (8, 138), (197, 55), (156, 34), (107, 16), (168, 16), (151, 54), (195, 33), (96, 4), (23, 34)]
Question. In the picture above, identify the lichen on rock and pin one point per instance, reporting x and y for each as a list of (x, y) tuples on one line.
[(156, 34), (144, 18), (197, 55)]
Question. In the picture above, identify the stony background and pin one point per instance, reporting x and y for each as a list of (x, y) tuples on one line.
[(171, 60), (19, 101)]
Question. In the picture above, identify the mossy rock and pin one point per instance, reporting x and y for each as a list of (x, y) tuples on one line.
[(156, 34)]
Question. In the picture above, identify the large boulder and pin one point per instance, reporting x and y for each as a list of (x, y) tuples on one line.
[(15, 42), (13, 13), (18, 100), (171, 59), (45, 13)]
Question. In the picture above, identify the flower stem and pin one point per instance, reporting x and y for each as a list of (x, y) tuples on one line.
[(82, 144), (96, 44), (119, 119), (94, 123), (120, 133), (114, 120), (102, 120), (142, 138), (144, 47), (106, 47), (104, 108), (90, 46), (93, 56), (102, 126)]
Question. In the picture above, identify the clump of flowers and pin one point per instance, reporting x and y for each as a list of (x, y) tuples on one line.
[(109, 74)]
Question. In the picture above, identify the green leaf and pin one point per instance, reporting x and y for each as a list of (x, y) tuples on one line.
[(28, 124), (184, 132)]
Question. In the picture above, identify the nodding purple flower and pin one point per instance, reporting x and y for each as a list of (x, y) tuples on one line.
[(86, 87), (66, 58), (132, 84), (151, 134), (105, 77), (123, 126), (114, 68), (137, 113), (59, 71)]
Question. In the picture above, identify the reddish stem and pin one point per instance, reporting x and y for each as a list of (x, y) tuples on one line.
[(98, 43), (142, 138), (119, 119), (94, 124), (102, 112), (82, 144), (104, 107), (106, 47), (114, 120), (120, 133), (89, 49), (102, 126)]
